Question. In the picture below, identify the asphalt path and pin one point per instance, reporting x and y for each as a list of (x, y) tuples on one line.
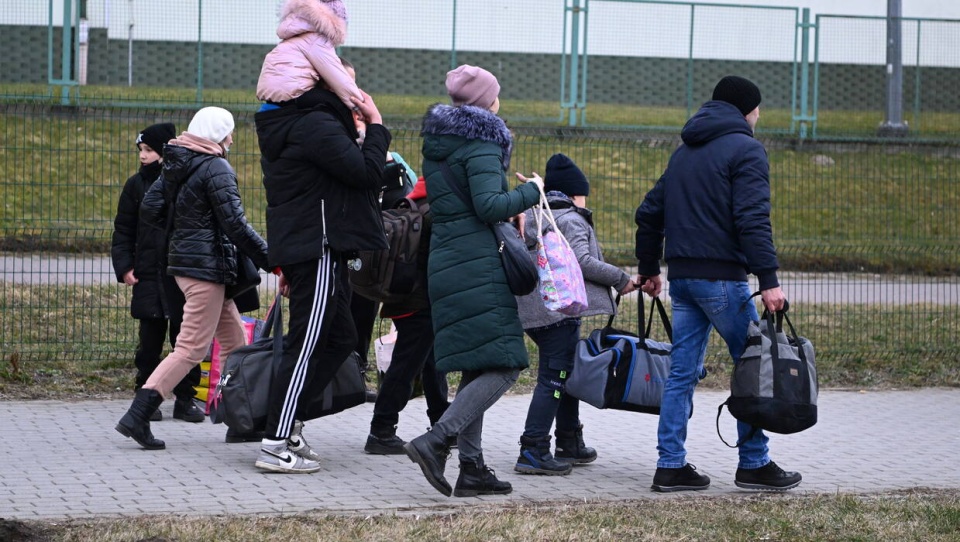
[(844, 288)]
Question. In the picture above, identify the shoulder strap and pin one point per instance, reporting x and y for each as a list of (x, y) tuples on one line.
[(457, 189)]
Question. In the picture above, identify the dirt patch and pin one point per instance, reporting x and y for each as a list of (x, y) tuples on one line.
[(18, 531)]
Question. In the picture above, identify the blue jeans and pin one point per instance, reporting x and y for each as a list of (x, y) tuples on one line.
[(557, 344), (698, 306)]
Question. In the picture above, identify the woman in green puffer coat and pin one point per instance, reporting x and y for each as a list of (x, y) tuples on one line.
[(475, 318)]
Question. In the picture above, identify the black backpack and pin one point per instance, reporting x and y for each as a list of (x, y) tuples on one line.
[(397, 274)]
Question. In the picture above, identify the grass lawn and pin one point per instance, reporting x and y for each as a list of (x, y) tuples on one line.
[(916, 515)]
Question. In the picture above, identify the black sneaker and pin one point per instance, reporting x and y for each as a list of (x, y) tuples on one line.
[(685, 478), (769, 477), (391, 445)]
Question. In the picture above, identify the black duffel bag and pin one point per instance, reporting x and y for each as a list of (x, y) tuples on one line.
[(242, 396)]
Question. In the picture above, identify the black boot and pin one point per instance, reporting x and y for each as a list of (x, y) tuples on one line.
[(430, 452), (535, 458), (479, 479), (157, 415), (135, 423), (571, 449), (384, 441), (187, 410)]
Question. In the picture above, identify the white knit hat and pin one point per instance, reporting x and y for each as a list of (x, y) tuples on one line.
[(213, 123)]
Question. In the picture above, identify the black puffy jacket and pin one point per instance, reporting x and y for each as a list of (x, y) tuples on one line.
[(320, 184), (209, 223), (140, 247)]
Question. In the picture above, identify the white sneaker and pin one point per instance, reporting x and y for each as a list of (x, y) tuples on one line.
[(298, 445), (281, 459)]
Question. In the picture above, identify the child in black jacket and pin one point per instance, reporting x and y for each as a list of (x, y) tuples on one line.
[(138, 255)]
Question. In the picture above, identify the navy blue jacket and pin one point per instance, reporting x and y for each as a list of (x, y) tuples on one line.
[(711, 205)]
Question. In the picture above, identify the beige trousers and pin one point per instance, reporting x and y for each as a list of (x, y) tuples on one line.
[(206, 314)]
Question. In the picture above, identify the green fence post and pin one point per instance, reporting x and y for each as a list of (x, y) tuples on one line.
[(816, 76), (804, 72), (574, 61), (582, 101), (453, 38), (199, 52), (50, 47), (66, 54), (690, 64), (916, 86)]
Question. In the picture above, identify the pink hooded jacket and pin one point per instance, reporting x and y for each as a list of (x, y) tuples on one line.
[(309, 31)]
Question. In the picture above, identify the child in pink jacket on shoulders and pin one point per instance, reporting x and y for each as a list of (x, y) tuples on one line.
[(309, 32)]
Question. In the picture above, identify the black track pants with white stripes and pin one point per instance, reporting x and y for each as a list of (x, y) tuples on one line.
[(320, 335)]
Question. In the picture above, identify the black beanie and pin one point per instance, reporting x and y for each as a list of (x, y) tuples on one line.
[(157, 135), (740, 92), (564, 176)]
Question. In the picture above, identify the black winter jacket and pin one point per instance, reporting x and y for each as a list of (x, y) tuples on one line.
[(712, 204), (321, 186), (209, 224), (142, 248)]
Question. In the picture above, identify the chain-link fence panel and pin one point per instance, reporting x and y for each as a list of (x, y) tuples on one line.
[(852, 70), (669, 55)]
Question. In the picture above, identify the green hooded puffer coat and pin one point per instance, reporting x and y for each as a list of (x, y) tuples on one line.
[(474, 313)]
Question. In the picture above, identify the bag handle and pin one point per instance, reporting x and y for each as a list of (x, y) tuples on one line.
[(274, 323), (616, 303), (644, 328), (542, 209), (775, 325)]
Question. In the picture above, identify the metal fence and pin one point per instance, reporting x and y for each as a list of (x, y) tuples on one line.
[(569, 61), (868, 230), (850, 82)]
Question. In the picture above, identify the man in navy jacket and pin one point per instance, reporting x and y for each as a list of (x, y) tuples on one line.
[(712, 206)]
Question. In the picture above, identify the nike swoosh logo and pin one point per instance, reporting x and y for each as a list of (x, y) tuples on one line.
[(286, 457)]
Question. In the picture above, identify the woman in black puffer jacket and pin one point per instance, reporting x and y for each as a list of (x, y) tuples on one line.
[(208, 229)]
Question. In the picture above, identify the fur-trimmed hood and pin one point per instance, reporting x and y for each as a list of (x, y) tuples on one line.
[(468, 122), (328, 18)]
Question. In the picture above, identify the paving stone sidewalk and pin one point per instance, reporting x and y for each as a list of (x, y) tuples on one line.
[(64, 459)]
